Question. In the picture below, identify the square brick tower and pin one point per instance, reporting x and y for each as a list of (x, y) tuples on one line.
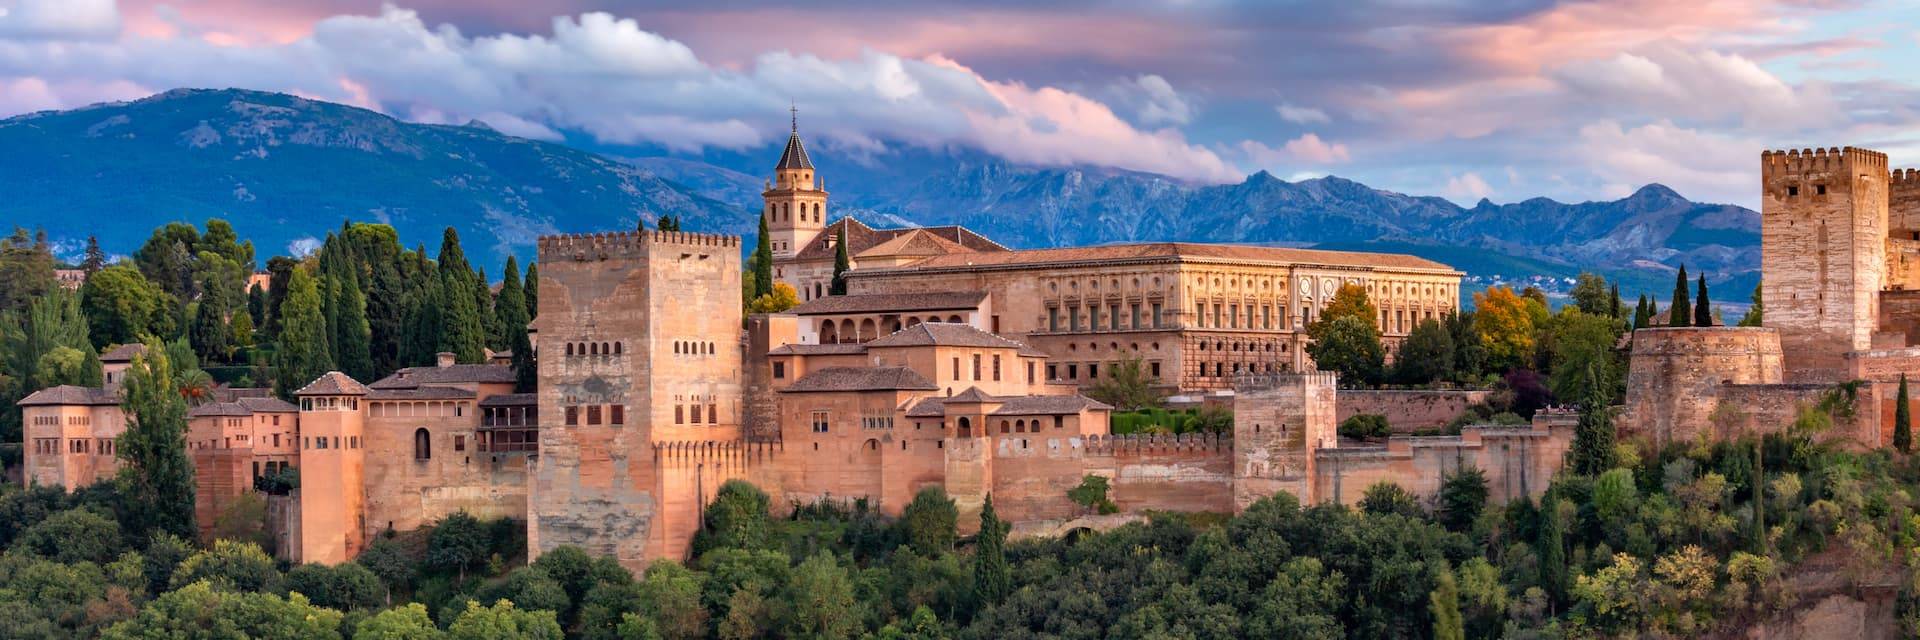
[(1823, 235), (639, 342)]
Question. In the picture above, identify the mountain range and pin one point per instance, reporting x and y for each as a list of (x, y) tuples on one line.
[(286, 169)]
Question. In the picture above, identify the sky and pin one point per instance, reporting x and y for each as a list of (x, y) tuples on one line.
[(1497, 99)]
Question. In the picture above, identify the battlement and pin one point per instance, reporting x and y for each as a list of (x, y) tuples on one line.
[(1159, 443), (1908, 178), (625, 244), (1792, 161)]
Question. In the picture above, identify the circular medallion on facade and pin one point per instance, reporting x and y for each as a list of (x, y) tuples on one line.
[(1326, 287)]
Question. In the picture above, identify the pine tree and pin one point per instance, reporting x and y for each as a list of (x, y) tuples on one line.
[(762, 263), (1902, 420), (992, 580), (302, 355), (840, 264), (1703, 310), (155, 473), (1593, 437), (512, 307), (95, 259), (1680, 313), (352, 340)]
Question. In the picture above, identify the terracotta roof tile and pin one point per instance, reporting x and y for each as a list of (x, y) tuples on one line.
[(884, 302), (420, 393), (67, 394), (946, 334), (861, 237), (123, 353), (511, 400), (333, 383), (411, 377), (1168, 250), (845, 349), (861, 379), (1012, 405), (267, 405), (216, 409)]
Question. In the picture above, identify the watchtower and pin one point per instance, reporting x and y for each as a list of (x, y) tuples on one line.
[(1823, 235)]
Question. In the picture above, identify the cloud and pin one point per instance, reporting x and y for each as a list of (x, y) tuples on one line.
[(1701, 84), (59, 19), (1302, 115), (1308, 149), (1155, 101), (610, 78), (1700, 165), (1468, 186)]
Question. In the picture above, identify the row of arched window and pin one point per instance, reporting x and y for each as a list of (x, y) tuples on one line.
[(783, 212), (595, 348), (692, 348)]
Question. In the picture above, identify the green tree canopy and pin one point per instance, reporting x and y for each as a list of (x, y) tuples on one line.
[(155, 472), (1349, 345), (303, 352)]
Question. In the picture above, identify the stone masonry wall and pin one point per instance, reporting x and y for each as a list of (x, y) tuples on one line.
[(1823, 241), (1518, 461), (1407, 411), (1675, 373), (1279, 421)]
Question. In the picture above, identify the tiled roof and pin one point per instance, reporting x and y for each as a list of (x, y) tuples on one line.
[(1169, 250), (915, 242), (795, 155), (69, 395), (267, 405), (839, 349), (945, 334), (511, 400), (123, 353), (861, 237), (218, 409), (333, 383), (883, 302), (420, 393), (1012, 406), (411, 377), (972, 394), (861, 379)]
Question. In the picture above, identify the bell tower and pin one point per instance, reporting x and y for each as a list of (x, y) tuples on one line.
[(796, 208)]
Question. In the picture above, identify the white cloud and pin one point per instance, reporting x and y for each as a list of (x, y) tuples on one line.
[(1302, 115), (1674, 82), (1468, 186), (62, 19), (1700, 165), (610, 78), (1155, 102), (1308, 149)]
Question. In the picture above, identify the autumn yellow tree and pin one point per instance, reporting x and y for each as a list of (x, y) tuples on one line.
[(1505, 324), (1350, 300), (780, 299)]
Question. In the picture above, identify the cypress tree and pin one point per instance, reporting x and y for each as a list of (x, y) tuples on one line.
[(303, 352), (1680, 313), (425, 324), (462, 331), (1703, 310), (1756, 313), (352, 340), (1613, 300), (532, 290), (991, 577), (1641, 314), (763, 262), (155, 472), (840, 264), (1552, 545), (1902, 420), (512, 307), (1593, 437)]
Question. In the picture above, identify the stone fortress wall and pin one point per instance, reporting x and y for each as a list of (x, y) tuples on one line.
[(1408, 410)]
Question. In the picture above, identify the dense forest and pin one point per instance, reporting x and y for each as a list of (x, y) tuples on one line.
[(1686, 540)]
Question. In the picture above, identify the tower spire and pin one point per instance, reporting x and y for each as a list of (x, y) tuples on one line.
[(795, 108)]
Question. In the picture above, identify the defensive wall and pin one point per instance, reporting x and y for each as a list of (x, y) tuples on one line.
[(1407, 411)]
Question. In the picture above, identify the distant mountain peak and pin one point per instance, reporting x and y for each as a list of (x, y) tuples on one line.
[(1655, 191)]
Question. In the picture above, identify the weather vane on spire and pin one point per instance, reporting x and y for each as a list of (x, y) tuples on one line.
[(796, 116)]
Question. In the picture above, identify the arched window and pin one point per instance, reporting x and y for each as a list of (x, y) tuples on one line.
[(569, 348), (616, 348), (422, 444), (606, 348), (593, 349), (966, 428), (1003, 426)]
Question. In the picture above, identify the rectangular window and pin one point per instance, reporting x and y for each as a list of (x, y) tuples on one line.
[(1059, 422), (1053, 371), (779, 369), (1219, 316), (956, 368), (1073, 318), (819, 422), (1133, 315), (976, 366), (1093, 371), (459, 443), (713, 414), (1233, 316), (1155, 307), (573, 416), (1029, 372), (619, 414), (996, 368), (1093, 317), (1073, 372), (996, 329), (679, 414), (593, 414), (1053, 318), (1153, 369), (1200, 315), (695, 410)]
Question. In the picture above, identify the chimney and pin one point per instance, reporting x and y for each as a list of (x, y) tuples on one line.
[(444, 359)]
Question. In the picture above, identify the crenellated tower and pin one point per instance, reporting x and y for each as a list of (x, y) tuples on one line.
[(1823, 232), (796, 210)]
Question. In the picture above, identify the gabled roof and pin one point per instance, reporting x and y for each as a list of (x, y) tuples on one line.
[(861, 379), (123, 353), (971, 395), (70, 395), (267, 405), (795, 155), (945, 334), (861, 237), (333, 383), (1038, 258), (914, 243), (888, 302), (411, 377)]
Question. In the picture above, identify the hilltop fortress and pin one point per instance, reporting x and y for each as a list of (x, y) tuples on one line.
[(1840, 283), (951, 362)]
